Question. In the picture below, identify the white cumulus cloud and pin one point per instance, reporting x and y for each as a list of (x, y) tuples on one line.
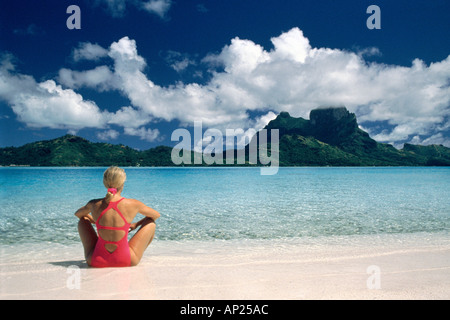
[(291, 76), (89, 51), (117, 8), (108, 135), (158, 7), (143, 133), (47, 104), (100, 78)]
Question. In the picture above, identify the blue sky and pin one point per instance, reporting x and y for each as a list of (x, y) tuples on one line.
[(139, 69)]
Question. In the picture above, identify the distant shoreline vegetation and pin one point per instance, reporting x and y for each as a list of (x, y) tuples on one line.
[(331, 137)]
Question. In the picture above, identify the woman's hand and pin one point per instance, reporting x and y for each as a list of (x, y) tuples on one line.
[(84, 213), (133, 226), (89, 218)]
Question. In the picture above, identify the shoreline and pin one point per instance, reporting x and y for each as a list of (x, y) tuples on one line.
[(366, 267)]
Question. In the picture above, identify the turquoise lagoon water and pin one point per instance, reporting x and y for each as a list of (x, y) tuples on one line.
[(37, 205)]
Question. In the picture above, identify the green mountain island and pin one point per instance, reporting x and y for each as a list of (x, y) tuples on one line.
[(331, 137)]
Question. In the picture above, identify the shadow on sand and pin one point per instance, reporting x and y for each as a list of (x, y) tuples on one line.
[(78, 263)]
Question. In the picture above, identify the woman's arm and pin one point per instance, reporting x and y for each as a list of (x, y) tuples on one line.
[(84, 213), (135, 225), (147, 211)]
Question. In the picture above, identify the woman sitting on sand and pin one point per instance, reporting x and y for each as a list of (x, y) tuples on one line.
[(113, 215)]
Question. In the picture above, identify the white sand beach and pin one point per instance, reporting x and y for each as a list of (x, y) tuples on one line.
[(367, 268)]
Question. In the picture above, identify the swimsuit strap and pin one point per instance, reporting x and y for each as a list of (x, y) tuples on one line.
[(112, 205)]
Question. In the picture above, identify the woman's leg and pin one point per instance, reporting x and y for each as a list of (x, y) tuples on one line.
[(140, 241), (88, 237)]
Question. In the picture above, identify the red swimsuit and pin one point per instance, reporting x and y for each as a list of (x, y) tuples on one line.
[(120, 257)]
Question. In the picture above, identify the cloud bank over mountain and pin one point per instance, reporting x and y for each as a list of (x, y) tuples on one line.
[(393, 103)]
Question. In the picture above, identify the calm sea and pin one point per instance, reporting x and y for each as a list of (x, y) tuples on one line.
[(37, 205)]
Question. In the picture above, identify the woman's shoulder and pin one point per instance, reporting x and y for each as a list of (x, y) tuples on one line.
[(95, 202), (136, 204), (131, 201)]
